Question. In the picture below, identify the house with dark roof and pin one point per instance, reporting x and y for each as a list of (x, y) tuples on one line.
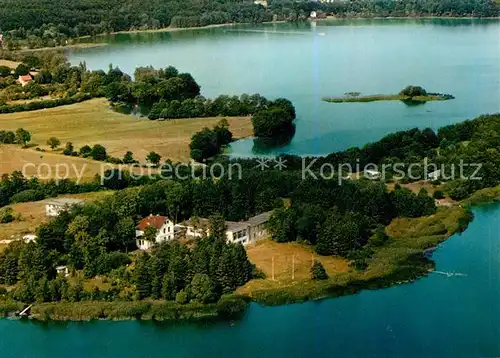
[(164, 231)]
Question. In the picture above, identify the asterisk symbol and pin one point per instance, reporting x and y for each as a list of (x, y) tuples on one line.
[(280, 163), (262, 163)]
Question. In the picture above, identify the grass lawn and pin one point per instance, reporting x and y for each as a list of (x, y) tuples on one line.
[(286, 256), (33, 214), (94, 122), (10, 64), (13, 157)]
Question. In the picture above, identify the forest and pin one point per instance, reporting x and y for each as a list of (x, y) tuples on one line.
[(337, 218), (51, 23)]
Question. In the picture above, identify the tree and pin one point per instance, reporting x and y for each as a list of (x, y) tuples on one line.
[(272, 122), (98, 152), (174, 199), (21, 70), (4, 71), (22, 136), (217, 226), (53, 142), (85, 151), (204, 145), (142, 276), (68, 149), (222, 133), (153, 158), (318, 271), (128, 158), (341, 234), (125, 232), (413, 91), (181, 297), (150, 233), (201, 288)]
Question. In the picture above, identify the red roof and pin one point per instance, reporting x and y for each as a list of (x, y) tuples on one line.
[(155, 221), (25, 78)]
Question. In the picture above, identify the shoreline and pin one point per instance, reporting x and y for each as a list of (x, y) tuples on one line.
[(232, 24), (91, 44), (411, 264)]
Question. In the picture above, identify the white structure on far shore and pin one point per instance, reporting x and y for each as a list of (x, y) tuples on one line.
[(55, 207)]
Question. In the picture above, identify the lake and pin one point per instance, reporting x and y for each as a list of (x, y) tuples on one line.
[(305, 62), (436, 316)]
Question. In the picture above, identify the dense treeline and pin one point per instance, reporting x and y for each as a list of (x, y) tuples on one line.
[(344, 218), (15, 188), (209, 142), (52, 22)]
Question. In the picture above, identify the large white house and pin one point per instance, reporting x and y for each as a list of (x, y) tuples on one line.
[(55, 207), (244, 232), (164, 231)]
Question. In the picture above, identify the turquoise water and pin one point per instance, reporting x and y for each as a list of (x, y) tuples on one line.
[(436, 316), (305, 62)]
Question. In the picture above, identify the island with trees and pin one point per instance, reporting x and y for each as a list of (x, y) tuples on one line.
[(410, 94)]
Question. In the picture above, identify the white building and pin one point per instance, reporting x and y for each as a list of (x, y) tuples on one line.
[(261, 2), (29, 238), (313, 14), (55, 207), (164, 231), (372, 174), (435, 175), (244, 232), (62, 270)]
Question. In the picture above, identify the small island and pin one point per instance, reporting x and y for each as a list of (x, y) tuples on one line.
[(412, 94)]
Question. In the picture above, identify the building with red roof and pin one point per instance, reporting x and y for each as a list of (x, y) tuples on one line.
[(24, 80), (164, 231)]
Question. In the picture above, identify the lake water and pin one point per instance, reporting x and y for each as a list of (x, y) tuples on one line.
[(436, 316), (305, 62)]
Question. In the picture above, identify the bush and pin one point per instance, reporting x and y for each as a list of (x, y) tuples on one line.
[(7, 137), (6, 215), (98, 152), (85, 151), (438, 194), (181, 297), (318, 272), (27, 196)]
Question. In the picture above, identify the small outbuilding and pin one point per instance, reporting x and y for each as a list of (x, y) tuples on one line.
[(55, 207), (24, 80), (62, 270)]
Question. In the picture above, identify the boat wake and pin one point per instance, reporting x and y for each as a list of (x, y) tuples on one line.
[(449, 274)]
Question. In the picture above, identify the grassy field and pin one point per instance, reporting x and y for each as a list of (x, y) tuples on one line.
[(33, 214), (400, 259), (93, 122), (45, 165), (10, 64), (287, 256)]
